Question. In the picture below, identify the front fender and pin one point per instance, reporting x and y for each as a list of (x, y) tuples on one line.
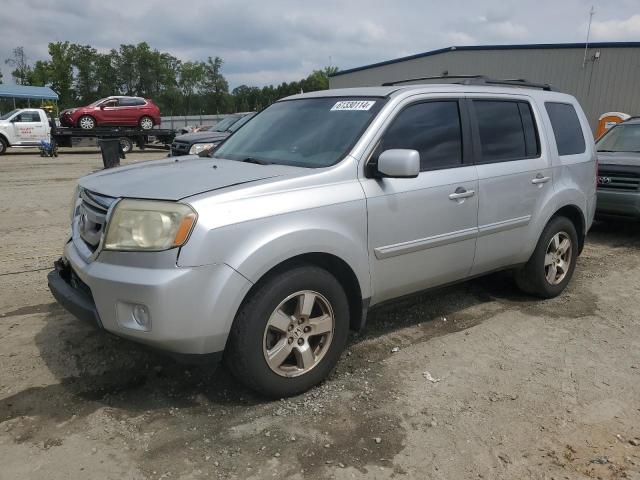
[(254, 247)]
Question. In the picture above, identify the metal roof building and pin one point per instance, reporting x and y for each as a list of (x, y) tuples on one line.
[(607, 79)]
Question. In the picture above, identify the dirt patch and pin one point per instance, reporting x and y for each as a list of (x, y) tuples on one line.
[(470, 381)]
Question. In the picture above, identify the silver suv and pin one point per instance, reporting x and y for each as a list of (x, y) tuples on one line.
[(322, 206)]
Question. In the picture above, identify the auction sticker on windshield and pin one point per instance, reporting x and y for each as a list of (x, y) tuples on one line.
[(351, 105)]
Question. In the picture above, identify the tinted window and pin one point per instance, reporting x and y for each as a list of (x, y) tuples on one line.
[(28, 117), (566, 128), (308, 132), (431, 128), (507, 130), (128, 102)]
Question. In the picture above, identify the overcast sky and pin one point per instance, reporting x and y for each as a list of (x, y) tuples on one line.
[(270, 41)]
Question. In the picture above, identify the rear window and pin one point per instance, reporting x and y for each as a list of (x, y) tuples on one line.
[(566, 128), (507, 130)]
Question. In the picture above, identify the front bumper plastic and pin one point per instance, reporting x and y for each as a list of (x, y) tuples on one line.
[(622, 204), (191, 309)]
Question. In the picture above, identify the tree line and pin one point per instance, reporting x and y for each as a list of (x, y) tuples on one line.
[(80, 74)]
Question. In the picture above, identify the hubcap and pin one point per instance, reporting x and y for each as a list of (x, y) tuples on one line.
[(146, 123), (558, 258), (298, 333), (86, 122)]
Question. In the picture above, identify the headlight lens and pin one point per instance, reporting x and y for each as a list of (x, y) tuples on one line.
[(196, 148), (149, 225)]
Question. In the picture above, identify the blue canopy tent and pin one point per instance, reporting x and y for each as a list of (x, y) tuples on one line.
[(28, 93)]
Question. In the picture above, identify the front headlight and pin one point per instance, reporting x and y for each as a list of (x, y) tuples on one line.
[(149, 225), (198, 147)]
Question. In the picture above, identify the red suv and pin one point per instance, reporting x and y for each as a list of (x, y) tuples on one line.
[(120, 111)]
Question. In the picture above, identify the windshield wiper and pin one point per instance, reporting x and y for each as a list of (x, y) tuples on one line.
[(255, 160)]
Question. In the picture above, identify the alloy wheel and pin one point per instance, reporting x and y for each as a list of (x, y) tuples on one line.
[(558, 258), (146, 123), (298, 333), (87, 123)]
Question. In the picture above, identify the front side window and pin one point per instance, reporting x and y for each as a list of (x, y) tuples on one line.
[(621, 138), (431, 128), (507, 130), (307, 132), (566, 128), (25, 117)]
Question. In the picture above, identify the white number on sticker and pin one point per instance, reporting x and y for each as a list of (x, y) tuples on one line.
[(362, 105)]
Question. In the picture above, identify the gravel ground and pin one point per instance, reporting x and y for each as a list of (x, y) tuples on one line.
[(472, 381)]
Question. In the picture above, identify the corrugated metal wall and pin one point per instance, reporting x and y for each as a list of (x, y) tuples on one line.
[(608, 83)]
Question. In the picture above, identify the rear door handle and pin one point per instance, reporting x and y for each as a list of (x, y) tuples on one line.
[(540, 179), (461, 192)]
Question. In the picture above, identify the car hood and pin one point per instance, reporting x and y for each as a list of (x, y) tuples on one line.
[(619, 158), (179, 177), (202, 137)]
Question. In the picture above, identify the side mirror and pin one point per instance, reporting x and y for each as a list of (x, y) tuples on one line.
[(102, 106), (399, 163)]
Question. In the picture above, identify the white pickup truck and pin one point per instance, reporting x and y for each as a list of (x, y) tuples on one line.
[(27, 127)]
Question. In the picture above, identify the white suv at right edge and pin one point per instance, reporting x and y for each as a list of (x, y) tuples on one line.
[(322, 206)]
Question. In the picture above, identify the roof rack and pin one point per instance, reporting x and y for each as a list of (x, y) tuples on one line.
[(477, 80)]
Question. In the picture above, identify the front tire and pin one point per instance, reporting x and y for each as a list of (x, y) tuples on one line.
[(289, 334), (87, 122), (550, 268), (146, 123)]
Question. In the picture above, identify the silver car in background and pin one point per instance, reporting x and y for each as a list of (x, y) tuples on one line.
[(322, 206)]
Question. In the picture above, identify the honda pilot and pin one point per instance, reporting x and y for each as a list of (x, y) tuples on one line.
[(322, 206)]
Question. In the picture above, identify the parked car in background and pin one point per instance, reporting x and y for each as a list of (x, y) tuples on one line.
[(619, 172), (323, 205), (197, 142), (113, 111)]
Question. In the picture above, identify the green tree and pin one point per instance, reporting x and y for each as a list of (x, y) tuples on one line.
[(191, 78), (83, 59), (60, 67), (214, 84), (106, 75)]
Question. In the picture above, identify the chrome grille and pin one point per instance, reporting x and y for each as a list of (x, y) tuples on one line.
[(618, 178), (89, 222)]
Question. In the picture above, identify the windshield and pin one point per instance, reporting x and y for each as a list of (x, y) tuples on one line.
[(224, 124), (621, 138), (241, 122), (310, 132), (6, 116)]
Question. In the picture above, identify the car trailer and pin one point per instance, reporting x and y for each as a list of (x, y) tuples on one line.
[(128, 136)]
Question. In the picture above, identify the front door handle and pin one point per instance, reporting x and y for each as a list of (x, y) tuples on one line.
[(540, 179), (461, 192)]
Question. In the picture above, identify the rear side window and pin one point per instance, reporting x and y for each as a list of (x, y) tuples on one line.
[(128, 102), (566, 128), (431, 128), (507, 130)]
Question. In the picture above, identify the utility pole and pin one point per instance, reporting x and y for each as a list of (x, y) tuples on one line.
[(592, 12)]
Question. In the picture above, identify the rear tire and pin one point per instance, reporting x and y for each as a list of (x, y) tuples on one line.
[(146, 123), (3, 146), (289, 334), (86, 122), (126, 144), (550, 268)]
